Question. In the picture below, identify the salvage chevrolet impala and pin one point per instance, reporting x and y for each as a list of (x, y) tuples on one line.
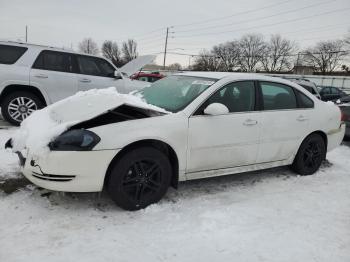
[(189, 126)]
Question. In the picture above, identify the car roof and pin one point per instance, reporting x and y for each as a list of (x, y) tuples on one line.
[(44, 47), (235, 76)]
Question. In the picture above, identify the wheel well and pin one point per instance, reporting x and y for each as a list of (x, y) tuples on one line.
[(323, 135), (14, 88), (163, 147)]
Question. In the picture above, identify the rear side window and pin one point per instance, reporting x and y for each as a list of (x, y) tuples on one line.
[(304, 101), (55, 61), (95, 66), (10, 54), (277, 96)]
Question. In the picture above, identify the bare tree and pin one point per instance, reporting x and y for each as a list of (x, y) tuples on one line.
[(252, 48), (229, 54), (88, 46), (129, 50), (206, 61), (326, 56), (278, 54), (175, 66), (111, 51)]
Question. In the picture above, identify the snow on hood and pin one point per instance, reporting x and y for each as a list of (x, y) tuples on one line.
[(44, 125)]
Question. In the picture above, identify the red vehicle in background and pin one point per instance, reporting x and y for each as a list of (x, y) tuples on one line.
[(148, 77)]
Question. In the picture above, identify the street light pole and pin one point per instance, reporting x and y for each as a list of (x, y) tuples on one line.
[(166, 45), (26, 34)]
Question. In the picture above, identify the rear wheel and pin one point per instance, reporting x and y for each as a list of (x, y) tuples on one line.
[(310, 155), (17, 106), (139, 178)]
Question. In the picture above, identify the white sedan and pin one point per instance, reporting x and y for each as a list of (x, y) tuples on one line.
[(192, 125)]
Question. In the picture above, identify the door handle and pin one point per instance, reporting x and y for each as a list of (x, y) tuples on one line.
[(85, 80), (41, 76), (302, 118), (250, 122)]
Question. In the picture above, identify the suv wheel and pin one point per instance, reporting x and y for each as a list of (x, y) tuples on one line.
[(139, 178), (19, 105)]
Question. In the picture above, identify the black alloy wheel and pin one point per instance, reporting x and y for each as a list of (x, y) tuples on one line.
[(139, 178), (310, 155)]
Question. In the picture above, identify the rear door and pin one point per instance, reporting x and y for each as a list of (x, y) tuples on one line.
[(95, 72), (284, 122), (54, 72)]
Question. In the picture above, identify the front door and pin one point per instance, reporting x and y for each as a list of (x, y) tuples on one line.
[(228, 140)]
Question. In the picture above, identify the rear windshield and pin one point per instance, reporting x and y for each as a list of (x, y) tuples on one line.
[(10, 54)]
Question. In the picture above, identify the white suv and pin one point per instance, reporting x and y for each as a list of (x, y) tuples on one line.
[(33, 76)]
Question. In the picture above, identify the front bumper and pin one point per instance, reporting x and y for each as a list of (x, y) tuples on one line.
[(69, 171)]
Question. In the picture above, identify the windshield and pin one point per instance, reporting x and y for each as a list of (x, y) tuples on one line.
[(174, 93)]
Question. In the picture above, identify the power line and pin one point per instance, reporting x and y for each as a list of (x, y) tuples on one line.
[(232, 15), (268, 25), (259, 18)]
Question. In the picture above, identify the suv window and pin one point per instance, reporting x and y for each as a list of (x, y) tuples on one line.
[(326, 91), (10, 54), (335, 91), (95, 66), (277, 96), (55, 61), (236, 96)]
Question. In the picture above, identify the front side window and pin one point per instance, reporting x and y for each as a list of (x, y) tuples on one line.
[(174, 93), (55, 61), (236, 96), (10, 54), (95, 66), (277, 96)]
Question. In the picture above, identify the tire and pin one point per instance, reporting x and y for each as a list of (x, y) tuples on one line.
[(310, 155), (139, 178), (18, 105)]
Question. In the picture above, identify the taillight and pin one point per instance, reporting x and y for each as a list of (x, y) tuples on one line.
[(344, 117)]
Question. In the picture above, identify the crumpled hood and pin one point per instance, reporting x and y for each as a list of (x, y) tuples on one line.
[(43, 126), (86, 105)]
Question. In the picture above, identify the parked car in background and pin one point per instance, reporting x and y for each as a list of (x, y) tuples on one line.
[(308, 85), (148, 77), (330, 93), (33, 76), (305, 83), (194, 125)]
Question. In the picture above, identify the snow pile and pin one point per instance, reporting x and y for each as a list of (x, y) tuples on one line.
[(9, 167), (43, 126)]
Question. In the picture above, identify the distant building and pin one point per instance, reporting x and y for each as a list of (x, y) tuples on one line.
[(303, 70)]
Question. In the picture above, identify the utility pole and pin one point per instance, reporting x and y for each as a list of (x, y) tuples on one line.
[(166, 45), (26, 34)]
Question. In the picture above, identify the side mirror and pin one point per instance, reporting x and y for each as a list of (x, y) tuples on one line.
[(117, 75), (215, 109)]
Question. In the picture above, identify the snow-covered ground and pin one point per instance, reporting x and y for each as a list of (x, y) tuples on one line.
[(272, 215)]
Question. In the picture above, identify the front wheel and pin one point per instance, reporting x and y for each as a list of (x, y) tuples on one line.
[(139, 178), (17, 106), (310, 155)]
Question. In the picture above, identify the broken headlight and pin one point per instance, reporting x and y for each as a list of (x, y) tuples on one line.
[(75, 140)]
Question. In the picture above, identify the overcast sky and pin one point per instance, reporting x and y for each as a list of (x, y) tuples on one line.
[(196, 24)]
